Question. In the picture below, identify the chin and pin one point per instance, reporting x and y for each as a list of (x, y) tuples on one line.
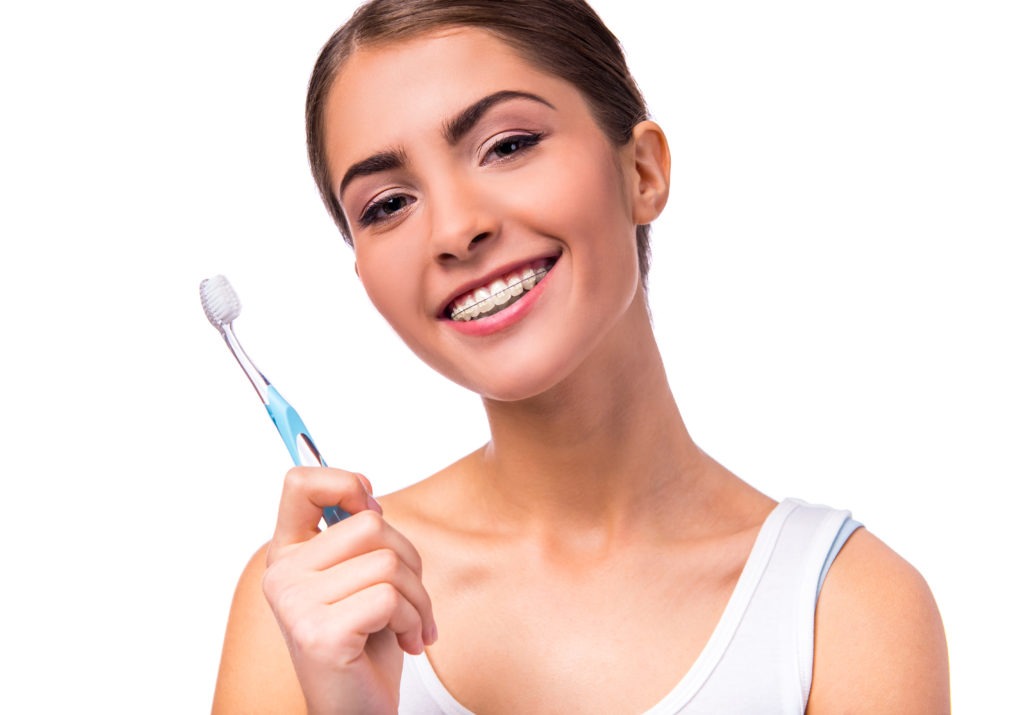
[(520, 382)]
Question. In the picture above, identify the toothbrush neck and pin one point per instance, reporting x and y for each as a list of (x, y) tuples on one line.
[(259, 382)]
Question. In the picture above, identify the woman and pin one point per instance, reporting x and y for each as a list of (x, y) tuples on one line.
[(493, 166)]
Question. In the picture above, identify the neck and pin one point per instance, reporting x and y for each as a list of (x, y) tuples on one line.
[(599, 448)]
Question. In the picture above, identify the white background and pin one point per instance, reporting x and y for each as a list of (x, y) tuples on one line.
[(837, 291)]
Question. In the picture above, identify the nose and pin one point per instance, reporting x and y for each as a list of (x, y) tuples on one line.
[(463, 221)]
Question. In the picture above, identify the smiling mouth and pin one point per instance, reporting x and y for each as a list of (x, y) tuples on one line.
[(499, 294)]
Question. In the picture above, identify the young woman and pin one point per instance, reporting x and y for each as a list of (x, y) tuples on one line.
[(492, 164)]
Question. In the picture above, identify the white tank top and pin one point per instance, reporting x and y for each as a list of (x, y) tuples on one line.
[(760, 655)]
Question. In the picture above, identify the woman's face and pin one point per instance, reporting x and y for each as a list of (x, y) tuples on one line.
[(461, 170)]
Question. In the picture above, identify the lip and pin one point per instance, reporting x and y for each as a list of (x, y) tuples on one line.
[(487, 278)]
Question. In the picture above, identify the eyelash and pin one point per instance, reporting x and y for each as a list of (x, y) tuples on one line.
[(369, 216), (524, 142)]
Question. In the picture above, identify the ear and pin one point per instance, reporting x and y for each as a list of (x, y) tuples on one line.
[(651, 168), (355, 266)]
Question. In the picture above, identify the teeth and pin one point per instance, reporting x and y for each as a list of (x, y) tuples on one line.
[(529, 279), (498, 294), (483, 299), (465, 306)]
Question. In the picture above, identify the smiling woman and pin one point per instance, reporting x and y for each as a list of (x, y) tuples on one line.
[(494, 168)]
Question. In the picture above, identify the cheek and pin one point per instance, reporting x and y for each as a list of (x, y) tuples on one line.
[(586, 202), (579, 190), (391, 280)]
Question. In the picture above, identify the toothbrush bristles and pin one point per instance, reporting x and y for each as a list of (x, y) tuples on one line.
[(220, 302)]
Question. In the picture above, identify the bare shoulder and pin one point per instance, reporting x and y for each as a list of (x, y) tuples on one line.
[(429, 501), (879, 644), (256, 674)]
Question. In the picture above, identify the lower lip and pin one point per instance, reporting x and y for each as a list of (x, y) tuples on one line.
[(506, 318)]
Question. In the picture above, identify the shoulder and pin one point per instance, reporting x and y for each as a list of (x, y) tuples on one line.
[(256, 673), (431, 501), (879, 644)]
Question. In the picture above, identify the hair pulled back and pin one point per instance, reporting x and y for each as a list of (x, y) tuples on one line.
[(564, 38)]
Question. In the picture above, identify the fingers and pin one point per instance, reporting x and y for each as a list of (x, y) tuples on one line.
[(331, 589), (360, 533), (383, 606), (337, 634), (406, 605), (350, 600), (307, 490)]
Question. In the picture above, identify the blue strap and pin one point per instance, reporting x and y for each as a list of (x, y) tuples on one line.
[(849, 526)]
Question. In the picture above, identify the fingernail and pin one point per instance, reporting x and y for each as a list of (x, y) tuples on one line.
[(374, 504), (432, 635)]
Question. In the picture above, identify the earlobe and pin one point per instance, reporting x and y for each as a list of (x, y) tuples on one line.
[(355, 265), (652, 165)]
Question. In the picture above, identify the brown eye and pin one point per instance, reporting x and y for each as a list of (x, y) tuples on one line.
[(392, 204), (383, 209), (510, 145)]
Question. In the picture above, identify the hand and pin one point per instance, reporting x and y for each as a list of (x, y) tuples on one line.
[(348, 599)]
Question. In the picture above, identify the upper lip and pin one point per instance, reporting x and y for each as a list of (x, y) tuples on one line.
[(488, 278)]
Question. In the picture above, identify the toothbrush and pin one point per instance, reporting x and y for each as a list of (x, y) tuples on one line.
[(222, 307)]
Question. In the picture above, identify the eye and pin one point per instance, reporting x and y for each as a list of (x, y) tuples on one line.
[(384, 209), (511, 144)]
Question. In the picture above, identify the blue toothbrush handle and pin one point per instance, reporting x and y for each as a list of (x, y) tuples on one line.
[(299, 443)]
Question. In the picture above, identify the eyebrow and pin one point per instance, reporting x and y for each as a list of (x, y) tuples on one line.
[(454, 130), (382, 161), (458, 127)]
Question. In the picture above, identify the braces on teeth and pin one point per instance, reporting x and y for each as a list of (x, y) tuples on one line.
[(538, 274)]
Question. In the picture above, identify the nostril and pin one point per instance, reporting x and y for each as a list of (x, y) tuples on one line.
[(457, 249)]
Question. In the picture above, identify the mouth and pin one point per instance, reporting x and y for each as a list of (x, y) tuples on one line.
[(499, 294)]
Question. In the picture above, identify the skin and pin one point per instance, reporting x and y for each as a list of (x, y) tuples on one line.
[(591, 525)]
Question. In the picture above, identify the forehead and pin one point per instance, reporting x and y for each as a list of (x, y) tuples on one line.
[(385, 95)]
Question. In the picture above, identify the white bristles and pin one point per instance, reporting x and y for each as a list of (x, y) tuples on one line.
[(220, 302)]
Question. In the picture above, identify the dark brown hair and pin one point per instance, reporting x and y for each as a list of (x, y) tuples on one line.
[(564, 38)]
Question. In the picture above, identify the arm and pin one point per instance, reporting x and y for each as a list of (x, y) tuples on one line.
[(256, 674), (879, 645)]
